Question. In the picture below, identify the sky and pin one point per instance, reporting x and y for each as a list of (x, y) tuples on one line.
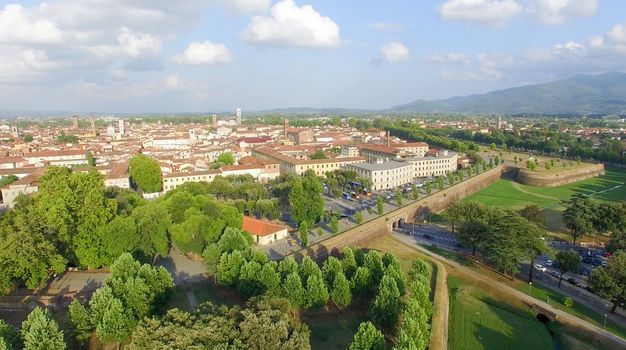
[(203, 56)]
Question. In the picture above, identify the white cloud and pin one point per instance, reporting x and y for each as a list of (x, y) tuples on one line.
[(138, 44), (556, 12), (245, 6), (79, 38), (599, 53), (204, 53), (290, 25), (18, 25), (395, 52), (617, 34), (386, 26), (490, 13)]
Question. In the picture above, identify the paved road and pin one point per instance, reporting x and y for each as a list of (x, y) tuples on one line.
[(183, 269), (562, 316), (446, 240)]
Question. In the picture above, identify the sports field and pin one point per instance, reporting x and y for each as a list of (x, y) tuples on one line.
[(512, 195), (509, 194), (477, 321)]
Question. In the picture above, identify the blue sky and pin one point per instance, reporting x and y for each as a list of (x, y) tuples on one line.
[(214, 55)]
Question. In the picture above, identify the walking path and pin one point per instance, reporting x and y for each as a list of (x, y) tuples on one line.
[(562, 316), (519, 187)]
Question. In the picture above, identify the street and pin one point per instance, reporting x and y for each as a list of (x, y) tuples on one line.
[(446, 240)]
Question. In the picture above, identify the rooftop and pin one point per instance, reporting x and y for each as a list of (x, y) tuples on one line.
[(260, 227), (390, 165)]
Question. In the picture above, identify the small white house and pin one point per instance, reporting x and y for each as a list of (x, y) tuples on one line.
[(264, 232)]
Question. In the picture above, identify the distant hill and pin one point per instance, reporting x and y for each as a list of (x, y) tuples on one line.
[(604, 93)]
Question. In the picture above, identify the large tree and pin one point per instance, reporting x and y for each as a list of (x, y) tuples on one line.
[(146, 173), (532, 213), (226, 158), (80, 321), (610, 282), (473, 233), (367, 337), (153, 221), (263, 324), (27, 252), (306, 199), (385, 308), (568, 261), (454, 214), (578, 215), (41, 332)]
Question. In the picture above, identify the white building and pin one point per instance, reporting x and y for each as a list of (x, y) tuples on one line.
[(440, 163), (263, 232), (386, 175)]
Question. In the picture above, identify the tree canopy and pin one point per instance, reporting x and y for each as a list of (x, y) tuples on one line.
[(146, 173)]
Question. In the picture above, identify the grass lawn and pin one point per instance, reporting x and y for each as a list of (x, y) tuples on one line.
[(511, 195), (578, 310), (478, 321), (335, 329)]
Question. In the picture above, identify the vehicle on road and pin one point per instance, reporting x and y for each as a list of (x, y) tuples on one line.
[(540, 267), (548, 262), (427, 236), (574, 282), (556, 274)]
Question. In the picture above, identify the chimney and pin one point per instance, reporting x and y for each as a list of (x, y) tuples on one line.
[(388, 139)]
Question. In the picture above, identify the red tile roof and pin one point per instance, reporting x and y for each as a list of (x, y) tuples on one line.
[(260, 227)]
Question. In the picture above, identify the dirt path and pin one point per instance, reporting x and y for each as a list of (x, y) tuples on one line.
[(518, 187)]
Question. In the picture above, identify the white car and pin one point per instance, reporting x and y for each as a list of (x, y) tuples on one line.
[(548, 262), (540, 267)]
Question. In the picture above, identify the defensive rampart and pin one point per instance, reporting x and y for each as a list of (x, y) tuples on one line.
[(369, 231), (527, 177)]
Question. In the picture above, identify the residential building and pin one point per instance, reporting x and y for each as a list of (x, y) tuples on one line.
[(263, 232), (385, 175), (171, 181)]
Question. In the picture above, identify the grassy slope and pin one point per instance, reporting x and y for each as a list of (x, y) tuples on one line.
[(478, 321)]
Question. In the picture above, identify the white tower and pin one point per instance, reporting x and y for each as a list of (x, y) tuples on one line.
[(238, 116), (121, 126), (192, 134)]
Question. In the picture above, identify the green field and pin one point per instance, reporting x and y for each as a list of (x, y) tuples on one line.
[(509, 194), (479, 322)]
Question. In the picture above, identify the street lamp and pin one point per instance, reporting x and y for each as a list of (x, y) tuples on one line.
[(530, 285), (605, 321)]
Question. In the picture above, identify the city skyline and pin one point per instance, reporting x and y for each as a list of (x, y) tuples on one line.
[(198, 56)]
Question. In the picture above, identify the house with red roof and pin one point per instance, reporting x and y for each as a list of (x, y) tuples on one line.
[(263, 232)]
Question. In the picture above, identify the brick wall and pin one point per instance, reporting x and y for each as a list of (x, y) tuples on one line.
[(527, 177)]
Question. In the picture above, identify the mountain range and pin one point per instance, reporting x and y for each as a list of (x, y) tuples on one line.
[(581, 94)]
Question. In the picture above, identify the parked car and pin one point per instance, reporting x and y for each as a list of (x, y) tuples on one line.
[(548, 262), (556, 274), (540, 267), (585, 271), (574, 282)]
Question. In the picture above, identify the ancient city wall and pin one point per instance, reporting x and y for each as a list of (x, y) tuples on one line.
[(527, 177), (369, 231)]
